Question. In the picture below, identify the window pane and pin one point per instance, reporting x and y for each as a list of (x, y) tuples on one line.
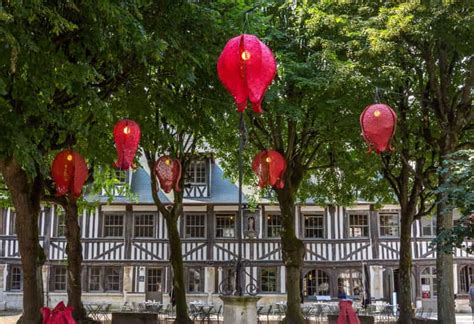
[(60, 222), (273, 225), (314, 226), (389, 224), (60, 278), (194, 280), (225, 225), (268, 279), (94, 278), (195, 226), (358, 225), (196, 172), (113, 225), (16, 278), (144, 225), (112, 278)]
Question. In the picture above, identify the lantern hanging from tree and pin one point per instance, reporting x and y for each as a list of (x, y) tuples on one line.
[(269, 167), (126, 137), (378, 122), (168, 172), (246, 67), (69, 172)]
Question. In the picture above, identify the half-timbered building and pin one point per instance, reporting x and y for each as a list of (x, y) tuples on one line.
[(126, 250)]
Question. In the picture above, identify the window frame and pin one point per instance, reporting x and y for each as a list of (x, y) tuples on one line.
[(11, 269), (54, 274), (319, 281), (102, 278), (192, 176), (194, 226), (104, 225), (306, 215), (269, 215), (59, 213), (464, 285), (380, 215), (232, 216), (261, 276), (201, 280), (431, 277), (154, 225), (354, 276), (431, 225), (349, 225)]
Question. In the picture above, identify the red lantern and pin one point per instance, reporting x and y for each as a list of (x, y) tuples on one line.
[(126, 137), (59, 315), (378, 122), (269, 167), (69, 172), (168, 172), (246, 67)]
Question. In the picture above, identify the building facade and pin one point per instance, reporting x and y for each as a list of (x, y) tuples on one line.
[(126, 250)]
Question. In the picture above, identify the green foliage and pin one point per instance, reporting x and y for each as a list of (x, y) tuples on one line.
[(460, 194)]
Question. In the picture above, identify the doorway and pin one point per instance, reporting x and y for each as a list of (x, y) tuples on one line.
[(153, 284)]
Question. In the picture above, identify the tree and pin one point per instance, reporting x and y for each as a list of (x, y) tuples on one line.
[(56, 58), (173, 103), (420, 55), (306, 115)]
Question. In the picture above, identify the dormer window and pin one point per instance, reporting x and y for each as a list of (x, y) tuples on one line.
[(196, 173), (196, 181), (119, 178)]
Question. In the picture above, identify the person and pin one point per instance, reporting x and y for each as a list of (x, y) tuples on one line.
[(471, 298), (341, 294)]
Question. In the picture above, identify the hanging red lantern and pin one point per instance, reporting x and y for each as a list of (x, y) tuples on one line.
[(246, 67), (269, 167), (378, 122), (168, 172), (69, 172), (126, 137)]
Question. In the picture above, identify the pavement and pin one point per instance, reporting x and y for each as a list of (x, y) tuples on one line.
[(11, 317)]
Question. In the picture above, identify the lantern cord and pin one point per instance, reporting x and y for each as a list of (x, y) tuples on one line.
[(377, 95)]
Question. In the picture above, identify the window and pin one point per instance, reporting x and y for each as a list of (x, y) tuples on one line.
[(107, 279), (95, 275), (314, 226), (113, 279), (113, 225), (118, 180), (466, 278), (144, 225), (153, 280), (268, 279), (195, 225), (194, 280), (3, 221), (60, 222), (358, 225), (428, 282), (273, 225), (196, 173), (59, 278), (225, 225), (389, 224), (16, 278), (351, 282), (428, 226), (12, 224), (316, 283)]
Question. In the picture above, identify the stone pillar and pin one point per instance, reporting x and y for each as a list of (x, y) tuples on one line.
[(127, 281), (240, 309)]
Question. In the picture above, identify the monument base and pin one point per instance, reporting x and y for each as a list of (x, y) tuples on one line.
[(240, 309)]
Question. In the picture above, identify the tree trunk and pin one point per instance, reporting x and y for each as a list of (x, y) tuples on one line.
[(404, 297), (176, 259), (444, 261), (74, 258), (293, 257), (26, 200)]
